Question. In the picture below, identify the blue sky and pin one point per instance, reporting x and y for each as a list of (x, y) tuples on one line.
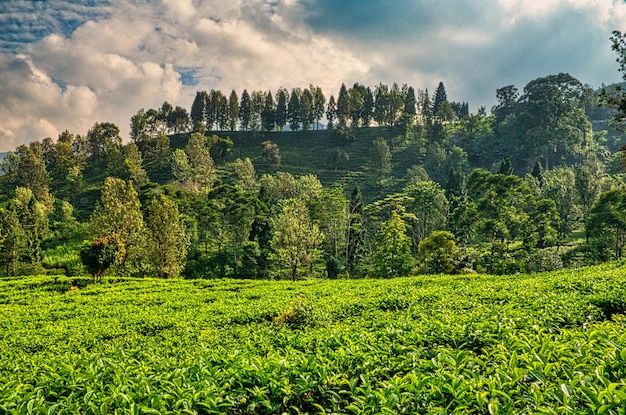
[(68, 64)]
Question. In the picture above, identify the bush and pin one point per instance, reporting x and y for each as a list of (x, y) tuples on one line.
[(299, 314), (102, 254)]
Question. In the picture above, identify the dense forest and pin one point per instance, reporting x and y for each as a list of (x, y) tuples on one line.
[(397, 181)]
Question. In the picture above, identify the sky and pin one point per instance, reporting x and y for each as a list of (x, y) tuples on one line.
[(65, 65)]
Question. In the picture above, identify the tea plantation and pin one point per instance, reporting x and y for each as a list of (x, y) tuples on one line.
[(547, 343)]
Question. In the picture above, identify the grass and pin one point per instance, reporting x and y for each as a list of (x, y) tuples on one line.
[(543, 343)]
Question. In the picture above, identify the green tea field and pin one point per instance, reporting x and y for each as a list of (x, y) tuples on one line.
[(525, 344)]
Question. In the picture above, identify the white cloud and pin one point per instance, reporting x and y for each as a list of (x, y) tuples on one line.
[(130, 54)]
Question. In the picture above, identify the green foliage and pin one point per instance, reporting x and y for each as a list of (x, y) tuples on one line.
[(300, 314), (606, 225), (101, 254), (168, 240), (381, 158), (392, 256), (295, 239), (119, 212), (550, 343), (333, 268), (438, 253)]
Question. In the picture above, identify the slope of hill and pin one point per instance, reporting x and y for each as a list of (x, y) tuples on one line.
[(315, 152), (543, 343)]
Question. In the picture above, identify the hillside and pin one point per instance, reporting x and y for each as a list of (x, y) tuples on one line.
[(543, 343), (311, 152)]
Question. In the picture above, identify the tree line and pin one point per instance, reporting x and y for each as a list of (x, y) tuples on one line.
[(503, 192), (299, 109)]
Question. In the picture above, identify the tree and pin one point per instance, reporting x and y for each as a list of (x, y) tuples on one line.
[(245, 110), (103, 139), (194, 168), (606, 226), (587, 188), (258, 103), (355, 105), (410, 103), (198, 111), (368, 106), (440, 97), (343, 106), (32, 216), (211, 114), (246, 175), (164, 115), (507, 98), (437, 253), (319, 102), (392, 256), (178, 120), (329, 207), (101, 254), (559, 184), (331, 113), (387, 104), (424, 105), (294, 110), (281, 108), (268, 116), (119, 212), (551, 117), (381, 157), (307, 114), (295, 238), (168, 239), (12, 239), (139, 132), (355, 232), (270, 153), (232, 113), (617, 98), (133, 162), (31, 171), (237, 209), (428, 206)]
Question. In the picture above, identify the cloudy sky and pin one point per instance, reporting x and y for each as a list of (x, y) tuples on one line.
[(68, 64)]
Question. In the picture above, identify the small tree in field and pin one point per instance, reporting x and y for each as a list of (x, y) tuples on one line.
[(438, 253), (392, 257), (101, 254)]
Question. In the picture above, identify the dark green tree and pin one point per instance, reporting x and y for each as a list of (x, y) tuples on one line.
[(440, 97), (245, 110), (381, 158), (438, 253), (331, 113), (101, 254), (319, 104), (606, 225), (507, 98), (232, 113), (268, 116), (343, 106), (294, 110), (617, 98), (198, 111), (307, 114), (281, 108)]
